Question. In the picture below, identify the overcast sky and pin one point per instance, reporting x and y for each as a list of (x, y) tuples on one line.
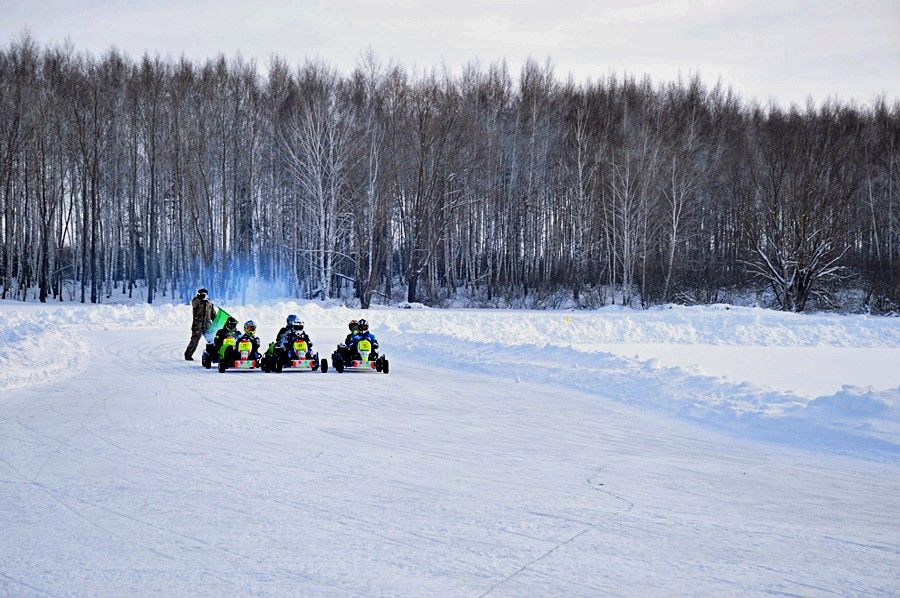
[(765, 49)]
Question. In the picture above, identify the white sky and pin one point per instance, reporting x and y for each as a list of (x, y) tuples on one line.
[(765, 49)]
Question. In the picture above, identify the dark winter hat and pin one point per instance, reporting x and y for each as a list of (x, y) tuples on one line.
[(202, 291)]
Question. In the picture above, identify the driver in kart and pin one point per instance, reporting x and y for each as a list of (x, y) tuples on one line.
[(293, 330), (352, 325), (344, 349), (228, 331), (250, 334), (362, 333)]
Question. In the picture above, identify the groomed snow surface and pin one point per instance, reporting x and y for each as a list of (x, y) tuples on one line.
[(714, 450)]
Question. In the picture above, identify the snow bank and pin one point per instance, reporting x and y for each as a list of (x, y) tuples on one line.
[(854, 421), (31, 354), (724, 325), (42, 342), (717, 324), (552, 347)]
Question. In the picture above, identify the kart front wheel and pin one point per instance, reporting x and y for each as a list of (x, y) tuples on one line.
[(222, 366), (206, 361), (323, 365), (385, 366)]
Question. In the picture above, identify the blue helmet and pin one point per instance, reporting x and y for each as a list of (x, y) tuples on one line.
[(294, 322)]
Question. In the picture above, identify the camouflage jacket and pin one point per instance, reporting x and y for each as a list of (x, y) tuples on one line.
[(204, 313)]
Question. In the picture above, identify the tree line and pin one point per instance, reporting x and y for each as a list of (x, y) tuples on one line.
[(157, 176)]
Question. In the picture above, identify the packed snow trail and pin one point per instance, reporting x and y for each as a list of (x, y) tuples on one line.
[(139, 473), (752, 372)]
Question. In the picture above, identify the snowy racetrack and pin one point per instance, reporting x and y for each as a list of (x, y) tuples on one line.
[(133, 472)]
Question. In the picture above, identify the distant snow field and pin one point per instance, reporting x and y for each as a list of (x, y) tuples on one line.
[(713, 450), (807, 371)]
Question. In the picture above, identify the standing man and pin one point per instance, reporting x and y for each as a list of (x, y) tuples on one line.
[(203, 313)]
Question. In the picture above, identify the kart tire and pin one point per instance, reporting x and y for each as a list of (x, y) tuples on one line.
[(339, 364), (205, 360), (222, 366), (385, 367), (323, 365), (279, 367), (378, 366)]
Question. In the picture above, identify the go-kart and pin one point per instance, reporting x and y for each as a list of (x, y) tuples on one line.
[(292, 355), (346, 359), (237, 354), (211, 353), (210, 356)]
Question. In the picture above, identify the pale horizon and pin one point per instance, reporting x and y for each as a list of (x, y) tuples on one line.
[(764, 51)]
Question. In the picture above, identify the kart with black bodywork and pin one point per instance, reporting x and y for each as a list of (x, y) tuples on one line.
[(293, 354)]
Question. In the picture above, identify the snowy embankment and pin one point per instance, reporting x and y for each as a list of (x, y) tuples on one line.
[(582, 350)]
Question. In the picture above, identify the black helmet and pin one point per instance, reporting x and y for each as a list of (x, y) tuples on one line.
[(352, 325), (231, 323), (362, 326)]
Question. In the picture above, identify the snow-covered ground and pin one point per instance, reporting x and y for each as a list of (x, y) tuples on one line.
[(699, 450), (810, 371)]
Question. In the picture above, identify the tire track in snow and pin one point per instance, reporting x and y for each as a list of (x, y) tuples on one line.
[(23, 584), (55, 495), (591, 526), (536, 560)]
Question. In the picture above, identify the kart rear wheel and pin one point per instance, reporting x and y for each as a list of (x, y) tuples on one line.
[(222, 366), (323, 365), (206, 361), (279, 367), (385, 367), (339, 364)]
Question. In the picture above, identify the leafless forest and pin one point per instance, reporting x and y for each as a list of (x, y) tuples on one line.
[(152, 176)]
